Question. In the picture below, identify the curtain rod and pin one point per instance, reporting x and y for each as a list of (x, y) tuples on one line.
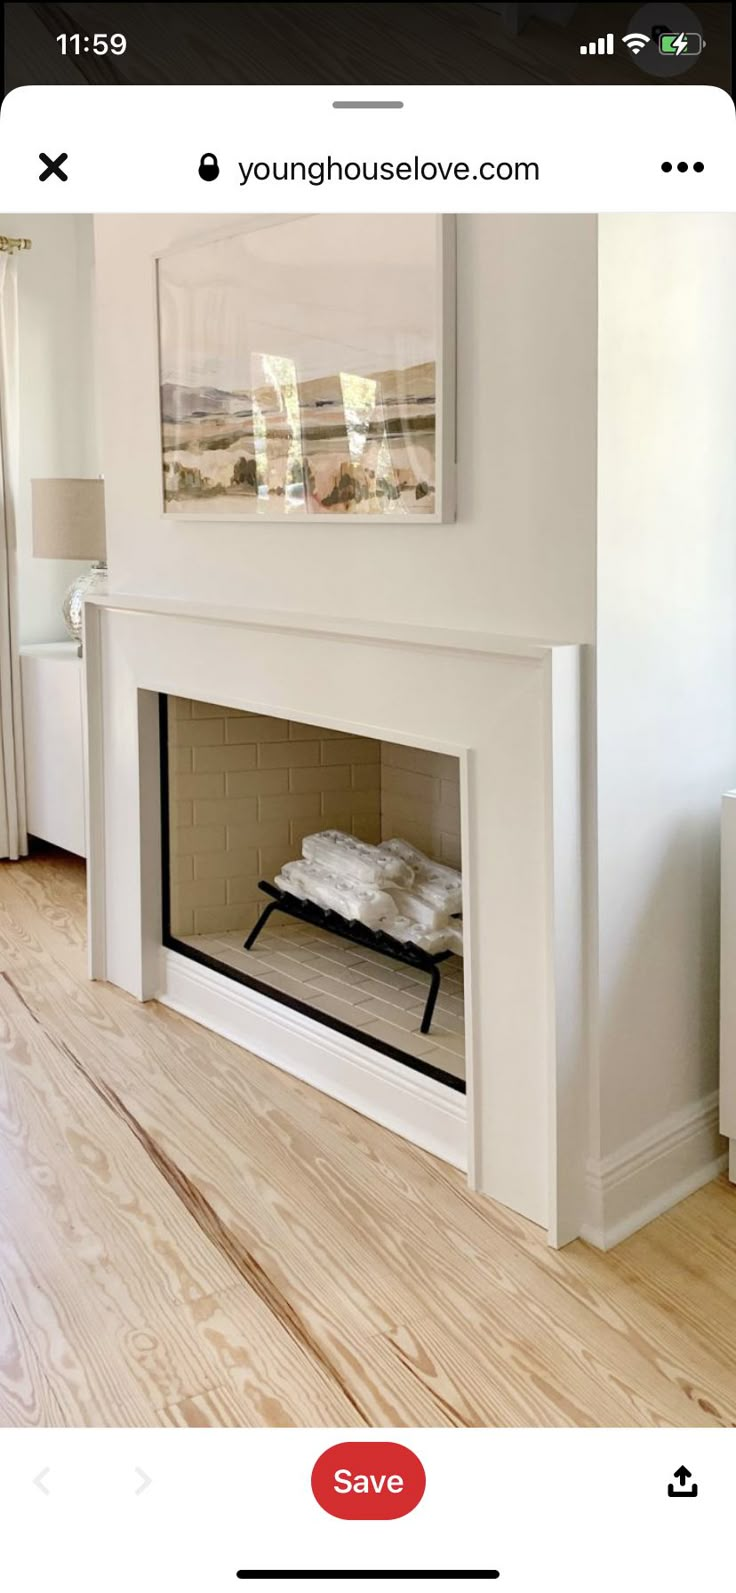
[(9, 245)]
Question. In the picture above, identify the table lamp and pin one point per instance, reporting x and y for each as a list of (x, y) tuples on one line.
[(68, 517)]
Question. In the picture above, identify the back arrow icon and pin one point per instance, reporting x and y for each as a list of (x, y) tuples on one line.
[(38, 1481)]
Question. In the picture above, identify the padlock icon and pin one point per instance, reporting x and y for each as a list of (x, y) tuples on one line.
[(208, 168)]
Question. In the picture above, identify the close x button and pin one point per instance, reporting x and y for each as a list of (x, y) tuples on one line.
[(52, 167)]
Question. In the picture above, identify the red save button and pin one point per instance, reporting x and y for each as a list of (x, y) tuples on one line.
[(368, 1481)]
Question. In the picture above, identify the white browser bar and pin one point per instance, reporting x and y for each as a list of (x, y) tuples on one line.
[(468, 148)]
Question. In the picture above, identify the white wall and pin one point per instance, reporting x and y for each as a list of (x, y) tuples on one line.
[(520, 559), (564, 325), (666, 654), (57, 412)]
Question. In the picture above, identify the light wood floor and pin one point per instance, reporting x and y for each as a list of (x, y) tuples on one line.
[(189, 1237)]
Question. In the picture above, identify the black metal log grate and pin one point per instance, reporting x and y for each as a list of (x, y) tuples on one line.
[(359, 934)]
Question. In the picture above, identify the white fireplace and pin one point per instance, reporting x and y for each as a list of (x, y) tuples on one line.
[(503, 713)]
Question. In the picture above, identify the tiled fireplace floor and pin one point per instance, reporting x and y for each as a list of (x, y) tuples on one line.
[(383, 998)]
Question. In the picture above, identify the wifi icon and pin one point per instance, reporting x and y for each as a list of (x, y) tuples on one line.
[(636, 41)]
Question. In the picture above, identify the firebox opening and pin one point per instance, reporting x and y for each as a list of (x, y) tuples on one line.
[(244, 795)]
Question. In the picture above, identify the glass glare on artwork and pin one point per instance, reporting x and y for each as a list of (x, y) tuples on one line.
[(298, 369)]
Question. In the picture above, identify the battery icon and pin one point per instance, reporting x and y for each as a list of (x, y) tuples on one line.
[(680, 43)]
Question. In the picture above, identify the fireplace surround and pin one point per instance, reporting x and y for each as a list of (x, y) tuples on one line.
[(508, 711)]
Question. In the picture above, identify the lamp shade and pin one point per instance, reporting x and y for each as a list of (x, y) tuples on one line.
[(68, 516)]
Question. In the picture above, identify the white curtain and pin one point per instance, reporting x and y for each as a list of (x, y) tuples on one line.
[(13, 838)]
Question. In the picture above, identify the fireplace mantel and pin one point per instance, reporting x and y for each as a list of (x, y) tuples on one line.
[(509, 710), (435, 637)]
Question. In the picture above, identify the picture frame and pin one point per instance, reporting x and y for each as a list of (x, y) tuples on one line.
[(278, 398)]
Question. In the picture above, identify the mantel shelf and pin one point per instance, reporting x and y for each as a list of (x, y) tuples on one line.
[(325, 626)]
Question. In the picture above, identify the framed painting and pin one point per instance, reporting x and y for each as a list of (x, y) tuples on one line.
[(306, 368)]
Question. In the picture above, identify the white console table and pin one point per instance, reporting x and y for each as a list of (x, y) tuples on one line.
[(53, 738)]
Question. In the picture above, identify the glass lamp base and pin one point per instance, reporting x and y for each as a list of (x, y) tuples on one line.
[(93, 580)]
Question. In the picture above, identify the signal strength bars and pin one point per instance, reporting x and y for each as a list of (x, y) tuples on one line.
[(602, 47)]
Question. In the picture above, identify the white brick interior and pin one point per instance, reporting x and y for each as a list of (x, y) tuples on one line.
[(244, 789), (420, 800)]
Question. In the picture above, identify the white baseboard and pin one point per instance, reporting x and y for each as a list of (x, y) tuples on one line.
[(420, 1109), (650, 1174)]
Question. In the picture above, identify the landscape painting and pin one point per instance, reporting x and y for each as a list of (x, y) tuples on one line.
[(299, 369)]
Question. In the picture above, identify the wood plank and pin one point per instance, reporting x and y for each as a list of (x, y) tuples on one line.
[(130, 1274), (388, 1403), (26, 1398), (292, 1262)]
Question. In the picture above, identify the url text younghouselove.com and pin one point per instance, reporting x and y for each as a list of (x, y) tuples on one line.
[(317, 172)]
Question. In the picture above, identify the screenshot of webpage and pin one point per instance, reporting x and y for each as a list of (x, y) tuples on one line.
[(368, 808)]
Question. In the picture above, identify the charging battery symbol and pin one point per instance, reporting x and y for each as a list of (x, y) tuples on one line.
[(680, 43)]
